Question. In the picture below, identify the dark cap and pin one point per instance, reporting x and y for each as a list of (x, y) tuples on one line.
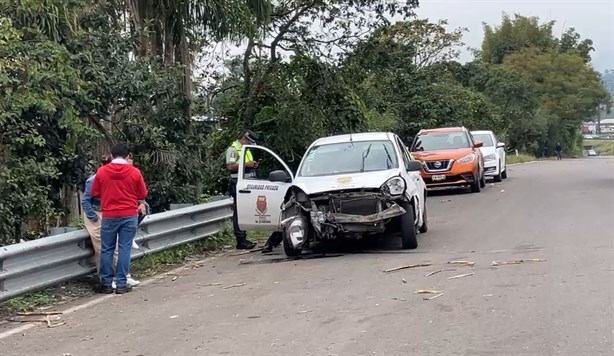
[(251, 136)]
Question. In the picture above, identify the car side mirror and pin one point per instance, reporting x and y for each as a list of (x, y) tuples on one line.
[(414, 166), (279, 176), (478, 144), (500, 145)]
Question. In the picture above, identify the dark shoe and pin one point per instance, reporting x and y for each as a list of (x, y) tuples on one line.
[(104, 289), (267, 249), (246, 245), (123, 290)]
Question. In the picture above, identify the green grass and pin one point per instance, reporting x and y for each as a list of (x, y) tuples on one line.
[(164, 260), (521, 158), (30, 301), (603, 147)]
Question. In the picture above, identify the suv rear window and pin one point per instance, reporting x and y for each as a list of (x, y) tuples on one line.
[(441, 141)]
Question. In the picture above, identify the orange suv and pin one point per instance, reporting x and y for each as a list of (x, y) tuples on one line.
[(450, 157)]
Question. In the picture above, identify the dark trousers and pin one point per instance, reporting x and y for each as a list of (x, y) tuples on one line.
[(558, 155), (240, 235)]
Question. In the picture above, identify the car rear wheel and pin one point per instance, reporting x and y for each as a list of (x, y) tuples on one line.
[(483, 180), (288, 247), (409, 239)]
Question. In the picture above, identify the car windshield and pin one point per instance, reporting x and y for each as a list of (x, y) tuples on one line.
[(440, 141), (349, 157), (486, 138)]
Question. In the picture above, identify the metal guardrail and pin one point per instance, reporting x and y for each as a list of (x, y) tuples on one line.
[(33, 265)]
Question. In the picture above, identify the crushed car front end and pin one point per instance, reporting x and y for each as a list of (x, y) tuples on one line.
[(348, 213)]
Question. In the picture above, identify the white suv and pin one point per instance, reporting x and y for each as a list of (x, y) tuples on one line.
[(494, 154), (346, 186)]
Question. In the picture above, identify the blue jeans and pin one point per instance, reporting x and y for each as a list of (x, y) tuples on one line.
[(120, 231)]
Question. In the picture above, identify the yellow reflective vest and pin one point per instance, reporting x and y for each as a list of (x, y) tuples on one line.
[(239, 147)]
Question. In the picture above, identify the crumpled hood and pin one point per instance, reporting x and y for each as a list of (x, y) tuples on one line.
[(117, 171), (455, 154), (314, 185)]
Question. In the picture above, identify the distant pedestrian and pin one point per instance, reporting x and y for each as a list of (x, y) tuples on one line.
[(120, 186), (559, 150)]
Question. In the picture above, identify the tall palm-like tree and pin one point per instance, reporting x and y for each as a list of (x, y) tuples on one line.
[(174, 30)]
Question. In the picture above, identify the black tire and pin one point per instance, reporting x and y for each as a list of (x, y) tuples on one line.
[(288, 248), (476, 186), (499, 176), (483, 180), (504, 174), (425, 221), (409, 238)]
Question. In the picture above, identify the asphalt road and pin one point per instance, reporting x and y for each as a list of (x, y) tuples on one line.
[(346, 305)]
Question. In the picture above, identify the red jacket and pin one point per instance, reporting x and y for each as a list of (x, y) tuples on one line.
[(120, 186)]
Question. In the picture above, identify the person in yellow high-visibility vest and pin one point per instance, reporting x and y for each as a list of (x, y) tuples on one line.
[(233, 157)]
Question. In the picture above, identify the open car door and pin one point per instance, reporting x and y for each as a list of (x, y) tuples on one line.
[(260, 194)]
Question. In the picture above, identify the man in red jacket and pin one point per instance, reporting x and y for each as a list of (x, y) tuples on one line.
[(120, 186)]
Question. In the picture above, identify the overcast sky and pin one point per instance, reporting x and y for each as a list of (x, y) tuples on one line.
[(591, 18)]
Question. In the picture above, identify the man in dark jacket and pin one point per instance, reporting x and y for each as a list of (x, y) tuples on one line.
[(559, 150)]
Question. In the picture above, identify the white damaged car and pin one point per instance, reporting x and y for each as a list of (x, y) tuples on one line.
[(346, 186)]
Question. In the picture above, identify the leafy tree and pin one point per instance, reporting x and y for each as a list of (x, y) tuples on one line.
[(514, 34), (39, 125), (569, 90)]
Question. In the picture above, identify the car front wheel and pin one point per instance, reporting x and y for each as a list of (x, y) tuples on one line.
[(409, 239), (288, 247), (476, 186), (504, 173), (425, 221), (499, 176)]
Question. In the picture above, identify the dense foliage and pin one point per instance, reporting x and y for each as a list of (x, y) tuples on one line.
[(78, 75)]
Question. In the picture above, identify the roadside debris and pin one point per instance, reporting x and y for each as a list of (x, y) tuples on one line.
[(427, 291), (461, 275), (439, 271), (404, 281), (247, 252), (517, 262), (174, 278), (407, 266), (488, 295), (40, 313), (211, 284), (463, 263), (48, 318), (254, 317), (446, 201), (305, 311), (235, 285), (400, 299), (433, 297), (173, 316)]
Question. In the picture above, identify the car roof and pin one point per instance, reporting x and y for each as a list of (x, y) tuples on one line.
[(442, 129), (481, 132), (363, 136)]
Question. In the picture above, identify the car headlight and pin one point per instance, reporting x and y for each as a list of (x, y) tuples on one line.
[(468, 158), (395, 186), (490, 157)]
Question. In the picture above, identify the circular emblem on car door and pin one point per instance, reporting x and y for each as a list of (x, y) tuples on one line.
[(437, 164)]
